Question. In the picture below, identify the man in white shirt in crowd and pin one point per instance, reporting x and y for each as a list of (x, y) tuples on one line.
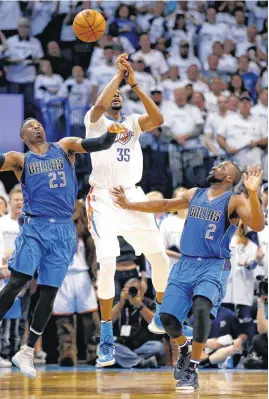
[(243, 135), (23, 53), (183, 122), (233, 103), (210, 32), (193, 78), (47, 83), (227, 63), (212, 124), (212, 69), (9, 230), (261, 109), (184, 59), (238, 33), (79, 91), (152, 58), (143, 78), (217, 87), (104, 73)]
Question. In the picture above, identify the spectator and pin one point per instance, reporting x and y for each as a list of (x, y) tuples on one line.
[(238, 33), (243, 135), (67, 35), (9, 230), (105, 72), (217, 87), (210, 32), (251, 41), (184, 59), (183, 122), (171, 83), (213, 122), (77, 295), (136, 346), (198, 100), (127, 267), (179, 33), (143, 78), (156, 23), (125, 24), (262, 37), (10, 13), (237, 85), (213, 69), (261, 109), (171, 230), (23, 53), (3, 45), (250, 79), (152, 58), (60, 64), (117, 38), (258, 354), (47, 84), (233, 103), (193, 78), (162, 44), (227, 62), (258, 13), (3, 206)]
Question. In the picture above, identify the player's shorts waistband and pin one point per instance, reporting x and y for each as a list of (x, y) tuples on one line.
[(23, 219), (200, 258)]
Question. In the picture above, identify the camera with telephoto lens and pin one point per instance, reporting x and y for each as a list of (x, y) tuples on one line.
[(263, 286), (133, 292)]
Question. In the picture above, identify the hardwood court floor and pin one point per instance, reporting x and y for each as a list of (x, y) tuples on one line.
[(86, 383)]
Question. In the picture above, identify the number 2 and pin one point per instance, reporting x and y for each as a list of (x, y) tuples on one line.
[(123, 154), (53, 176), (212, 229)]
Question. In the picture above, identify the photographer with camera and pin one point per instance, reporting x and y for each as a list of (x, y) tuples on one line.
[(258, 354), (136, 345)]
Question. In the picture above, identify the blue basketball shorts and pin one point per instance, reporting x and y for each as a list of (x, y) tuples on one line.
[(190, 277), (46, 245)]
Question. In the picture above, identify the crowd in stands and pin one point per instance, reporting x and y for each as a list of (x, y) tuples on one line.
[(205, 65)]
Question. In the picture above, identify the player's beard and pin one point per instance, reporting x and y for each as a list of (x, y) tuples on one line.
[(212, 179)]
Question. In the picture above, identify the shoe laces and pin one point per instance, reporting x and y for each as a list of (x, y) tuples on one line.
[(187, 375), (181, 360), (107, 347)]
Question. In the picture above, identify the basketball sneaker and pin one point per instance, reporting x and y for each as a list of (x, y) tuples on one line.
[(183, 361), (106, 352), (156, 326), (24, 359), (189, 381)]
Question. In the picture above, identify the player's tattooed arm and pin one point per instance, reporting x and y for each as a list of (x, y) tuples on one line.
[(71, 145), (159, 206), (12, 161), (250, 211)]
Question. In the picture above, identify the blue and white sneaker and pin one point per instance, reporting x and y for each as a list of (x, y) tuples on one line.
[(183, 362), (189, 381), (106, 351), (156, 326)]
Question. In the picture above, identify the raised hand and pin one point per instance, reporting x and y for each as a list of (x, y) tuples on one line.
[(253, 178), (119, 61), (129, 76), (120, 197), (117, 128)]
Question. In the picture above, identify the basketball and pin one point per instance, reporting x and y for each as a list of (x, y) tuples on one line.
[(89, 25)]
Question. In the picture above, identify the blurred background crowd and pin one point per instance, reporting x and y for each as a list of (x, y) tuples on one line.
[(204, 63)]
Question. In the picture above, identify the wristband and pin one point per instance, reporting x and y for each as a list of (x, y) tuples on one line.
[(140, 308), (133, 86)]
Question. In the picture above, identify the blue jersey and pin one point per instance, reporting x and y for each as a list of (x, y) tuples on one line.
[(49, 184), (208, 230)]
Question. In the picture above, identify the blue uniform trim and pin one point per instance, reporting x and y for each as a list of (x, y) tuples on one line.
[(115, 120), (94, 225)]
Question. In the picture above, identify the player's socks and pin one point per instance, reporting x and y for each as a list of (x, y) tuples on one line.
[(106, 347), (183, 360), (32, 338), (156, 326), (24, 359)]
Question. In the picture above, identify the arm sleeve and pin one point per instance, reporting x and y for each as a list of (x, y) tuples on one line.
[(103, 142)]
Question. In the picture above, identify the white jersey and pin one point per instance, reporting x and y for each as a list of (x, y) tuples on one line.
[(122, 163)]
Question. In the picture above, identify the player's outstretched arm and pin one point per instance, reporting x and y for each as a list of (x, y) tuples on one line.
[(160, 206), (153, 118), (250, 212), (12, 161), (104, 99), (104, 142)]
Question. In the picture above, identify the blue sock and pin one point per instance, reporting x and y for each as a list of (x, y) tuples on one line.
[(106, 332)]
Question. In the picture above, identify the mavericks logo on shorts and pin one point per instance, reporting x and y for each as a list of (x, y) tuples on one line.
[(124, 138)]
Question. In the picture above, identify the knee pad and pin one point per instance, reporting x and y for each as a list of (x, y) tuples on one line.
[(159, 266), (201, 313), (106, 285), (171, 325)]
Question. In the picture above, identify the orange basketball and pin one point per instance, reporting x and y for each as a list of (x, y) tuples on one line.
[(89, 25)]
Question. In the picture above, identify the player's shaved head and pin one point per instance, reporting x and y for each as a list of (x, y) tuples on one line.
[(24, 123), (236, 172)]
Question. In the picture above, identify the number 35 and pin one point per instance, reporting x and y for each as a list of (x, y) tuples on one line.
[(123, 154)]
